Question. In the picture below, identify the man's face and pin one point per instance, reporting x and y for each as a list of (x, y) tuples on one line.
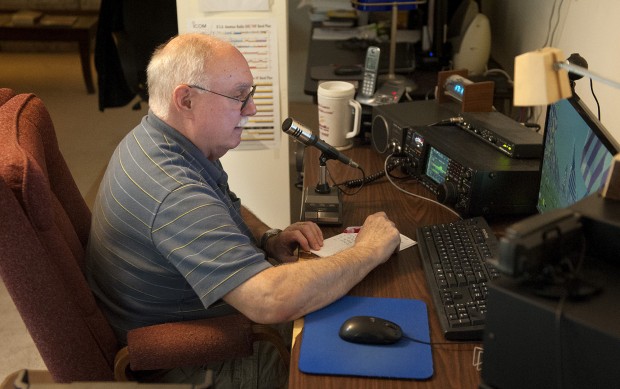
[(219, 117)]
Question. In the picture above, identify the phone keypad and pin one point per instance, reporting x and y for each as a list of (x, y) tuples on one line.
[(368, 87)]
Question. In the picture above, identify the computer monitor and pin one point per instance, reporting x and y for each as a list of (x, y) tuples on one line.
[(577, 155)]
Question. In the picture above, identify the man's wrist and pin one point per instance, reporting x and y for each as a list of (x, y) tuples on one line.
[(268, 235)]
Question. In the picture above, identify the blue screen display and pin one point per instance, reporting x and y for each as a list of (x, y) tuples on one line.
[(576, 158)]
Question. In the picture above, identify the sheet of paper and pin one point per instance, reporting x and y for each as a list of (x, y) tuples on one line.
[(257, 40), (234, 5), (337, 243)]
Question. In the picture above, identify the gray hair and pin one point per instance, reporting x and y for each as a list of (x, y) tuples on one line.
[(182, 60)]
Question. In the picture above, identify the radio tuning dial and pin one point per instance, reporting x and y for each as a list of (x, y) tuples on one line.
[(446, 193)]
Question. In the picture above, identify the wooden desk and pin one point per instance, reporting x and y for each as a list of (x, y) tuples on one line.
[(82, 31), (401, 277)]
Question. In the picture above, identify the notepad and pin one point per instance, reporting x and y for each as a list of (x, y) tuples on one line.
[(324, 352), (337, 243)]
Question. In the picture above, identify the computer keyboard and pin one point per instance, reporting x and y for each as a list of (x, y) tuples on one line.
[(454, 259)]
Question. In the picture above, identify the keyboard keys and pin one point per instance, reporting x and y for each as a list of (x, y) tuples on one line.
[(454, 257)]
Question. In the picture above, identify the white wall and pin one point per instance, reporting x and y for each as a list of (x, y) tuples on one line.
[(259, 177), (587, 27), (299, 27)]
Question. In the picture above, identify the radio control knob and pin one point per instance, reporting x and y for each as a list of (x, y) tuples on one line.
[(446, 193)]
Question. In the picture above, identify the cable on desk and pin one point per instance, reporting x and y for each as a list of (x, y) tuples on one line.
[(385, 164), (339, 186), (373, 177), (438, 343)]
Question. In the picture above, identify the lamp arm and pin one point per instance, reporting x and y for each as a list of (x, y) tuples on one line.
[(585, 73)]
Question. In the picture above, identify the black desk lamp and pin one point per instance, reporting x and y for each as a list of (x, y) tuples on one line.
[(395, 5)]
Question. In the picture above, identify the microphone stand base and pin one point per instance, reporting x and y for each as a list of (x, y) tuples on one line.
[(322, 208)]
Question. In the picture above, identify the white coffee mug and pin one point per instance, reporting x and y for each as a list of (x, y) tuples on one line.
[(339, 113)]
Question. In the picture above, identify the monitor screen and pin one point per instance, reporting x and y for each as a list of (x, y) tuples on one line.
[(577, 155)]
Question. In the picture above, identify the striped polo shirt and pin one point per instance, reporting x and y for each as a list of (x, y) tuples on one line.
[(167, 240)]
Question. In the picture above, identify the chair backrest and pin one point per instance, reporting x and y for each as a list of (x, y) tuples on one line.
[(5, 95), (44, 227)]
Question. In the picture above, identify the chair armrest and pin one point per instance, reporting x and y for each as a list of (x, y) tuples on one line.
[(193, 343), (190, 343)]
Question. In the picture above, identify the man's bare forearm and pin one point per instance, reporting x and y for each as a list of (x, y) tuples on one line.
[(291, 291)]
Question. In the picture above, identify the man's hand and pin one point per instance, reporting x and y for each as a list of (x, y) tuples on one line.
[(379, 234), (304, 235)]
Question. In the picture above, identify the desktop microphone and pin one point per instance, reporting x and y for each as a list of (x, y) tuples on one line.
[(305, 136)]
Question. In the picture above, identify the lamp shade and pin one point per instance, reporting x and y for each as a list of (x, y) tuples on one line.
[(537, 79)]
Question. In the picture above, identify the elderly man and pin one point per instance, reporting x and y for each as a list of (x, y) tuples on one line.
[(170, 241)]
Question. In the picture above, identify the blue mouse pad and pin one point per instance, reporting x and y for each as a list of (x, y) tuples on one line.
[(324, 352)]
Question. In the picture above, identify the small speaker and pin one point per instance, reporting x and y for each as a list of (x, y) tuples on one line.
[(380, 134)]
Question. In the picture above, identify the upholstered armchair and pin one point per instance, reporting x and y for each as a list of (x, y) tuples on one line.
[(44, 228)]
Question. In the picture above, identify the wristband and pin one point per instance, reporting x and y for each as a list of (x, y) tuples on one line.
[(268, 235)]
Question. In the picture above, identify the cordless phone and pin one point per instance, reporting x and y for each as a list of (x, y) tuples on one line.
[(388, 93), (371, 69)]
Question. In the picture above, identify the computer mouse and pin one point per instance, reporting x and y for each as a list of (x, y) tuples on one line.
[(370, 330)]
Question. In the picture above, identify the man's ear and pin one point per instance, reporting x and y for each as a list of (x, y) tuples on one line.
[(182, 98)]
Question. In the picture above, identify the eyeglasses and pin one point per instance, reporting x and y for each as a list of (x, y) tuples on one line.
[(243, 101)]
